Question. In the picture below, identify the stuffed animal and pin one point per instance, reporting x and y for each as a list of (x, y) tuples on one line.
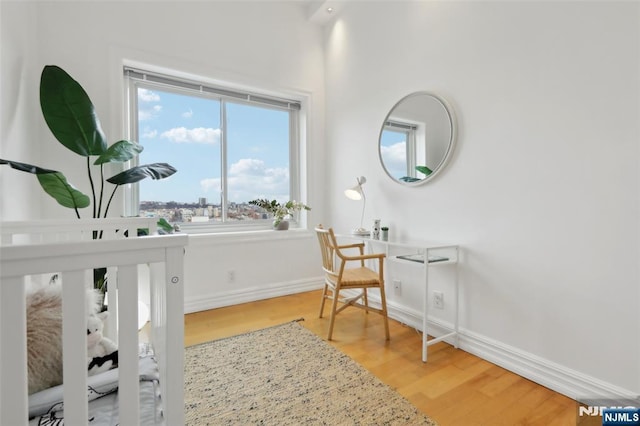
[(102, 353)]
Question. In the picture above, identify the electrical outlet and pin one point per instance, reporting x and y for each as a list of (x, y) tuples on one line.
[(231, 276), (438, 299), (397, 286)]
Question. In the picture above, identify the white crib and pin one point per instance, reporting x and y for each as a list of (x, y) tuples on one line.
[(67, 248)]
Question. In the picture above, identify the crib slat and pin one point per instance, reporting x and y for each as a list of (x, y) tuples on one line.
[(13, 352), (129, 386), (111, 326), (74, 347), (174, 388)]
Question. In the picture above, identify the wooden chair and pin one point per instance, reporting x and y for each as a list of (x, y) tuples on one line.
[(338, 277)]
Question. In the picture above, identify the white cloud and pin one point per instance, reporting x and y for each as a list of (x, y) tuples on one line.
[(149, 113), (198, 135), (144, 115), (395, 158), (247, 166), (146, 95), (149, 133), (210, 183), (249, 178), (188, 114)]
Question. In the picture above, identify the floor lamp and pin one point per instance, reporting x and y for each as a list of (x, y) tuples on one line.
[(357, 193)]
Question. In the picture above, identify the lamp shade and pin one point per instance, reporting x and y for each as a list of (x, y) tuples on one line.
[(356, 192), (353, 193)]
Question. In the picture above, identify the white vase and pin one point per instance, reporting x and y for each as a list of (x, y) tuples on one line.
[(282, 226), (376, 229)]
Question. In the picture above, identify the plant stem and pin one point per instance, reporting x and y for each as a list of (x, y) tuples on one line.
[(93, 190), (101, 189), (110, 198)]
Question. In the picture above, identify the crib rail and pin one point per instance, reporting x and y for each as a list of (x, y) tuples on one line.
[(42, 231), (74, 260)]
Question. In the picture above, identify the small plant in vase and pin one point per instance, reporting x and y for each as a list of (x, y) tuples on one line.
[(280, 212)]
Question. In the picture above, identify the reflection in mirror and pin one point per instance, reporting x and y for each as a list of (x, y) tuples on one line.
[(417, 138)]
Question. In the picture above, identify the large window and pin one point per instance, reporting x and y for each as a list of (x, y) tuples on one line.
[(229, 147)]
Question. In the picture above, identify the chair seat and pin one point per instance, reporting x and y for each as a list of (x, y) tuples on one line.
[(359, 277)]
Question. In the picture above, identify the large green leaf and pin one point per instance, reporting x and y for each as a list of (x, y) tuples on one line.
[(56, 185), (24, 167), (409, 179), (69, 113), (136, 174), (120, 152), (424, 170)]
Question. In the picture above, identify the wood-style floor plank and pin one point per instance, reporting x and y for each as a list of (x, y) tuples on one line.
[(453, 387)]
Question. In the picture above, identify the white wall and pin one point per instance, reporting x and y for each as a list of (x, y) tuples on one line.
[(543, 190), (17, 136), (270, 45)]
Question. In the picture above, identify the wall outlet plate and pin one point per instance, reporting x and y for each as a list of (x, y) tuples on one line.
[(438, 299)]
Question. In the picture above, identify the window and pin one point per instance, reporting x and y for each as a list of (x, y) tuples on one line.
[(399, 150), (229, 147)]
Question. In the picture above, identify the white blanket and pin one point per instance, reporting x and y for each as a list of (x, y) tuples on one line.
[(47, 407)]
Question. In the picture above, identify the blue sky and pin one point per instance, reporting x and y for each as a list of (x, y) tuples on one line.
[(184, 131), (393, 150)]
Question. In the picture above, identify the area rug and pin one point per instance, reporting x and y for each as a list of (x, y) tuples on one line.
[(286, 375)]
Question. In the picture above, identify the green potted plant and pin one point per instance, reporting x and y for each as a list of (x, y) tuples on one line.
[(280, 212), (72, 118)]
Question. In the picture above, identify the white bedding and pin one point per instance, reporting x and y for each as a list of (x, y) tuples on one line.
[(46, 407)]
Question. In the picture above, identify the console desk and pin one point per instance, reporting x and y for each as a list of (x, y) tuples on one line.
[(430, 255)]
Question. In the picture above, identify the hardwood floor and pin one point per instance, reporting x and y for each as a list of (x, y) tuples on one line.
[(453, 387)]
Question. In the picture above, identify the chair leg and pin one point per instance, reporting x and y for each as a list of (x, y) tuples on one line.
[(324, 297), (383, 300), (366, 300), (334, 306)]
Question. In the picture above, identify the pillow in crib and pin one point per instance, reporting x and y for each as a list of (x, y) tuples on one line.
[(44, 335)]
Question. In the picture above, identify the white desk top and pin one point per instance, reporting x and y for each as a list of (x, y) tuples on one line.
[(420, 244)]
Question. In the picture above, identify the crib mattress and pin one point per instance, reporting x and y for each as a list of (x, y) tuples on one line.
[(46, 407)]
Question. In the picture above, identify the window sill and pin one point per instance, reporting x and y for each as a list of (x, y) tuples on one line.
[(244, 236)]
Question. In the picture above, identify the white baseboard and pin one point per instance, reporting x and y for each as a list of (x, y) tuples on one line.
[(250, 294), (559, 378), (554, 376)]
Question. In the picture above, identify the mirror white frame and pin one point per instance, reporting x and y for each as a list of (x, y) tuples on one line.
[(427, 124)]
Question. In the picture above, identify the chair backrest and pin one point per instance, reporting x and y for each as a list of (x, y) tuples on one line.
[(326, 238)]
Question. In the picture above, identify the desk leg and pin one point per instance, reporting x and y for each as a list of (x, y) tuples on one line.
[(425, 307), (457, 301)]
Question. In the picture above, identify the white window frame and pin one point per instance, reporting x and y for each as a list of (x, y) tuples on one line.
[(409, 130), (221, 90)]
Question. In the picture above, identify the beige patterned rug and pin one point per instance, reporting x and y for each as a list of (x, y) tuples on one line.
[(286, 375)]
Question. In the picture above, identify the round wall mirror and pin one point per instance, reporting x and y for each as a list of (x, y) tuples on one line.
[(417, 138)]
